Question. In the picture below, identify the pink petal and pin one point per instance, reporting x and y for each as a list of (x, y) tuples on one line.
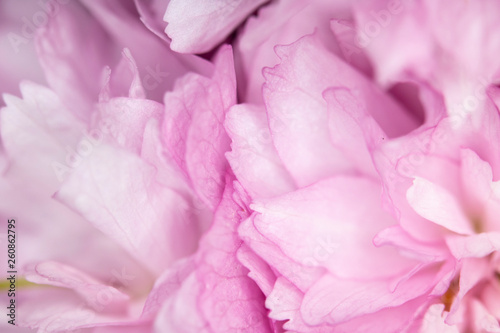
[(117, 192), (167, 173), (53, 132), (438, 205), (198, 26), (87, 303), (491, 209), (181, 312), (473, 271), (297, 112), (392, 319), (159, 67), (259, 270), (73, 59), (345, 33), (281, 23), (231, 300), (428, 153), (285, 301), (61, 310), (123, 120), (398, 237), (349, 117), (300, 275), (253, 158), (330, 228), (152, 12), (421, 42), (477, 245), (123, 81), (490, 297), (335, 300), (476, 176), (219, 292), (124, 328), (466, 51), (482, 320), (53, 141), (167, 285), (392, 53), (97, 295), (434, 321)]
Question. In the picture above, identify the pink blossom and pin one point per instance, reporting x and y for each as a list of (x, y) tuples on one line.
[(251, 166)]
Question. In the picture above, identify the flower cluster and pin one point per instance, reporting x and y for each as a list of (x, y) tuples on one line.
[(194, 166)]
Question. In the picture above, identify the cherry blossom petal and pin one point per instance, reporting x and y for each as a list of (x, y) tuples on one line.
[(73, 59), (198, 26), (337, 232), (194, 127), (434, 319), (95, 294), (476, 176), (146, 219), (335, 300), (477, 245), (159, 67)]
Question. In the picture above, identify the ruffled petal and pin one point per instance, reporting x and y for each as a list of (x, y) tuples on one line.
[(331, 231), (18, 58), (253, 158), (472, 272), (438, 205), (94, 293)]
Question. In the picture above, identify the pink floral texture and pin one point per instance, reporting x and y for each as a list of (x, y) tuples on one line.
[(328, 166)]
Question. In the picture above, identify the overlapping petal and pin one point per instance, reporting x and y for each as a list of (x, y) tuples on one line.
[(198, 26)]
